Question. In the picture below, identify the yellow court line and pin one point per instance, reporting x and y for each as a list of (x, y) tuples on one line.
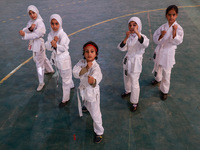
[(115, 19), (17, 68)]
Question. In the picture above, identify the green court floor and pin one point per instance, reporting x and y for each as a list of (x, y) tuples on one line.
[(32, 120)]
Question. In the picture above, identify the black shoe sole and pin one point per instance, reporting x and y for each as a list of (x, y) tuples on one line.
[(61, 105), (125, 95)]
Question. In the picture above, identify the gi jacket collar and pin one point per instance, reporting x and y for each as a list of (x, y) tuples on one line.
[(93, 63)]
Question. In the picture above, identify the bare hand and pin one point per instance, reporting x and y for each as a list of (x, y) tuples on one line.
[(135, 29), (53, 43), (175, 27), (162, 34), (136, 32), (89, 65), (22, 33), (32, 27), (128, 34), (56, 38), (90, 80)]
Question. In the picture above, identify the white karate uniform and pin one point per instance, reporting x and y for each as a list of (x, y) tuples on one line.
[(132, 62), (36, 44), (165, 54), (90, 95), (60, 57)]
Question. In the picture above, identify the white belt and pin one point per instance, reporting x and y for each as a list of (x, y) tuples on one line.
[(79, 102)]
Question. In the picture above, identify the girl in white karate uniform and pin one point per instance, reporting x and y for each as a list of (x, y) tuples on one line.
[(58, 43), (34, 31), (89, 73), (167, 37), (134, 43)]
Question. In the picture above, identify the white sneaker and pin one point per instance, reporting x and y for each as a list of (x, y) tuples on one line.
[(40, 86)]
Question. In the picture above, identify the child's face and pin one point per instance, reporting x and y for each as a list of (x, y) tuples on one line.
[(132, 25), (32, 15), (90, 53), (171, 16), (55, 25)]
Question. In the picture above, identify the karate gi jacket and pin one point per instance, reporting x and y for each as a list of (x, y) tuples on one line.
[(88, 92), (60, 56), (132, 61), (164, 53), (35, 37)]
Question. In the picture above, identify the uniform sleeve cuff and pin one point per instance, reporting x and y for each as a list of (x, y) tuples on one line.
[(122, 44), (141, 40)]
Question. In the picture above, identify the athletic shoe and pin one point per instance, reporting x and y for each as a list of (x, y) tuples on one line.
[(163, 96), (63, 104), (154, 82), (40, 86), (135, 107), (84, 109), (125, 94), (98, 138)]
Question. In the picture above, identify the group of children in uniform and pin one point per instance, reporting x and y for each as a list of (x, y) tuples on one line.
[(167, 37)]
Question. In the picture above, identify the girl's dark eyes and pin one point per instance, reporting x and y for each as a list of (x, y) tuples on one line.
[(54, 23), (132, 25), (32, 13), (90, 51), (171, 14)]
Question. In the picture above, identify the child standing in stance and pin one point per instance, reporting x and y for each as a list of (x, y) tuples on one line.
[(89, 73), (134, 43), (58, 43), (34, 31), (167, 37)]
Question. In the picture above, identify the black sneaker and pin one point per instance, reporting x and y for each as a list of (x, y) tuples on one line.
[(125, 94), (98, 138), (135, 107), (154, 82), (47, 73), (163, 96), (72, 88), (84, 109), (61, 105)]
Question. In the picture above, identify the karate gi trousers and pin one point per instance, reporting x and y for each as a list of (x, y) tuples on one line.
[(94, 110), (163, 76), (42, 63), (67, 83), (131, 83)]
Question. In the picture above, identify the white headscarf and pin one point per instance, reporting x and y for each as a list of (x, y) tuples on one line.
[(59, 19), (33, 8), (138, 21)]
